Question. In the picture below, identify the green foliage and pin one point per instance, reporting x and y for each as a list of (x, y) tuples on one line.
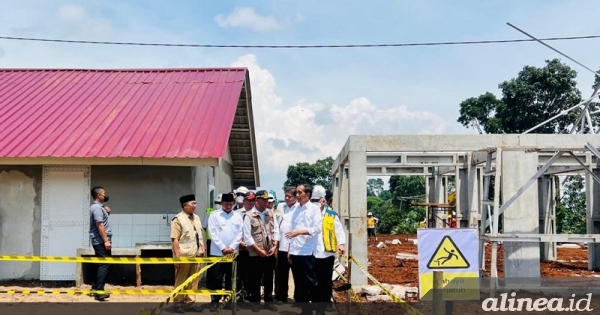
[(374, 186), (318, 173), (571, 212), (392, 207), (535, 95)]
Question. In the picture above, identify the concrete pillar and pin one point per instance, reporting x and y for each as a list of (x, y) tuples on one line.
[(340, 199), (462, 198), (521, 260), (201, 177), (593, 218), (357, 184), (547, 210), (473, 196)]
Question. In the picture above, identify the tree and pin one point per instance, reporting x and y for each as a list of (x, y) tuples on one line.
[(535, 95), (374, 186), (318, 173), (571, 212), (403, 187)]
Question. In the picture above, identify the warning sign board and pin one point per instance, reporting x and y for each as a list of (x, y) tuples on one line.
[(455, 252), (447, 256)]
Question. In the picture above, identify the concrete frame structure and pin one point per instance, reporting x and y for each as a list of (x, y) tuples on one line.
[(524, 189)]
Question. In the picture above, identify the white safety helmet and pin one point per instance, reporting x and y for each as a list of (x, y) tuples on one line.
[(370, 213), (241, 190), (271, 198), (318, 192)]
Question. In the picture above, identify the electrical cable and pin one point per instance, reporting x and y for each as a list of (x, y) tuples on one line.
[(295, 46)]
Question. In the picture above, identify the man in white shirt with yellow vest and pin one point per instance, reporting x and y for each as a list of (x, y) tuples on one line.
[(331, 240), (304, 236), (261, 235), (187, 238)]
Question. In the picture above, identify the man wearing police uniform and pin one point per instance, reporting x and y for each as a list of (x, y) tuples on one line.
[(187, 241), (262, 236)]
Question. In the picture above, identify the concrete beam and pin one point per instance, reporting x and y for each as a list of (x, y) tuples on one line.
[(452, 143), (342, 157)]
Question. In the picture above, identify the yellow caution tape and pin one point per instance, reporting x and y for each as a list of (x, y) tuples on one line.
[(161, 307), (115, 292), (395, 298), (225, 303), (117, 260)]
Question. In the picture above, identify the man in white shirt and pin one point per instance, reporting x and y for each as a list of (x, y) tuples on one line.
[(261, 235), (226, 228), (282, 274), (304, 234), (328, 245)]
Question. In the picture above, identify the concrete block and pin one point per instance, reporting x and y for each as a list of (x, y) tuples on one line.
[(396, 242), (381, 245), (405, 256), (372, 290), (384, 298)]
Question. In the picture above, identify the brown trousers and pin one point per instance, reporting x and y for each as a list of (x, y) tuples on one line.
[(182, 274)]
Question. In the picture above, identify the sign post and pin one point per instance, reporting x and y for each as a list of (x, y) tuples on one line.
[(453, 251)]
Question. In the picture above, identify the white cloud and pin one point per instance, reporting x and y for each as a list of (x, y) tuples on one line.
[(245, 17), (306, 130), (69, 12), (86, 26)]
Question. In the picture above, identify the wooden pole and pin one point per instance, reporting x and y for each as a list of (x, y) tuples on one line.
[(438, 299), (349, 298)]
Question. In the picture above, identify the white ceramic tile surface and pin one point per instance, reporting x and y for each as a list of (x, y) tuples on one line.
[(138, 219)]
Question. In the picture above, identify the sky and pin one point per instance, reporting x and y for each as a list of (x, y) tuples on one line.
[(308, 101)]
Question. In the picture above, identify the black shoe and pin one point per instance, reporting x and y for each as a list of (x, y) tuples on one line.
[(271, 307), (179, 309), (213, 306), (256, 307), (196, 308), (101, 297)]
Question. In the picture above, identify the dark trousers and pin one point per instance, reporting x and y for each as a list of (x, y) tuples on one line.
[(261, 273), (324, 271), (101, 270), (242, 273), (216, 275), (283, 277), (305, 280)]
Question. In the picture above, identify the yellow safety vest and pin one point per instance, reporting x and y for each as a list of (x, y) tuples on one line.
[(208, 212), (370, 223), (329, 236)]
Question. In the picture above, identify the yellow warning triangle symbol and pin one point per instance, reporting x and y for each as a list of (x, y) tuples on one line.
[(447, 256)]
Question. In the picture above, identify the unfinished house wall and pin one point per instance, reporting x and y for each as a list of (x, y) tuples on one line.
[(20, 222)]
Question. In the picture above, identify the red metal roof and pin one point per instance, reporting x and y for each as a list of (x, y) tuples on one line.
[(149, 113)]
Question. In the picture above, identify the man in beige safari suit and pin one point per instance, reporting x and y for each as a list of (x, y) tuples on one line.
[(187, 241)]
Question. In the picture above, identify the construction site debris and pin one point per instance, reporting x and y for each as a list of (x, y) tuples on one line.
[(381, 245), (396, 242)]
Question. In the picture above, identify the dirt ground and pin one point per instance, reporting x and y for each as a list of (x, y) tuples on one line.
[(385, 267), (57, 285)]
